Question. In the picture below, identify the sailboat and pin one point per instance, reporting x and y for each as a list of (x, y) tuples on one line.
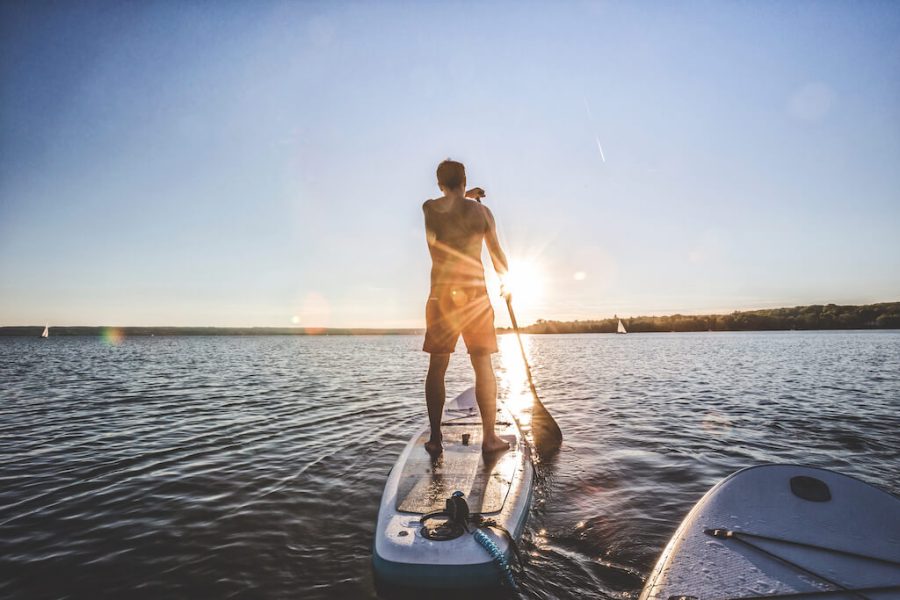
[(46, 332), (621, 328)]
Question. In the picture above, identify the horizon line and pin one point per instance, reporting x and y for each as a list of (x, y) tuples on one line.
[(315, 329)]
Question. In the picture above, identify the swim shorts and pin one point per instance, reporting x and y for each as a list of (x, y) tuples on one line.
[(452, 311)]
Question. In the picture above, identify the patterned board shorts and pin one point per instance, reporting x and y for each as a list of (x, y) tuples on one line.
[(454, 311)]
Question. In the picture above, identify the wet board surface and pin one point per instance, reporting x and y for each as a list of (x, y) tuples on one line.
[(426, 483), (777, 530), (499, 486)]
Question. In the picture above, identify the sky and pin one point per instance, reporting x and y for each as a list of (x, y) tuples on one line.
[(264, 163)]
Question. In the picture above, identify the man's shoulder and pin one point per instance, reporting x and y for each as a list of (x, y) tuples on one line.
[(480, 208)]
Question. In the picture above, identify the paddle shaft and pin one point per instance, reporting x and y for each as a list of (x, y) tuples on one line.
[(512, 317), (550, 434)]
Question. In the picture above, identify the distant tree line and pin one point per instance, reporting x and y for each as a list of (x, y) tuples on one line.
[(35, 330), (885, 315)]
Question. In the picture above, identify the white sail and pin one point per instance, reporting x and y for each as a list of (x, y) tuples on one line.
[(621, 328), (46, 331)]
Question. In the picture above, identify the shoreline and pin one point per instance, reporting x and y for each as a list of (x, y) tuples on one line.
[(816, 317), (813, 317), (79, 330), (35, 331)]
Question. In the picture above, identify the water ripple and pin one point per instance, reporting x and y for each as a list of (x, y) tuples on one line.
[(252, 467)]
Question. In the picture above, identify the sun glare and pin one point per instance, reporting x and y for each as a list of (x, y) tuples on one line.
[(525, 281), (512, 380)]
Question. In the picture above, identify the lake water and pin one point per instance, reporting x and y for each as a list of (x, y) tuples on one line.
[(218, 467)]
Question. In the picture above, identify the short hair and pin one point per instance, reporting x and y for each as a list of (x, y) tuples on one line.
[(451, 174)]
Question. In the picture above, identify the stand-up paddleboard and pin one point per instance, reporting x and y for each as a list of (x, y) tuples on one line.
[(414, 546), (784, 531)]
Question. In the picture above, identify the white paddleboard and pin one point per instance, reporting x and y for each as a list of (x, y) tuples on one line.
[(784, 531), (499, 487)]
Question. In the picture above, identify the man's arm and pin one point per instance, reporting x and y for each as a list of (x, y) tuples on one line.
[(429, 232), (493, 244)]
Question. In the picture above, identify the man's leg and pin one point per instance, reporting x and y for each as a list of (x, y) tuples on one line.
[(434, 398), (486, 396)]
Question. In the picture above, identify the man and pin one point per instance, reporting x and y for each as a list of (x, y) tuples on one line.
[(455, 227)]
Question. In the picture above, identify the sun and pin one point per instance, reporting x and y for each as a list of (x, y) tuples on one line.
[(525, 281)]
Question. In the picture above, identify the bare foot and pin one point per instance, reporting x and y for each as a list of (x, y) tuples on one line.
[(434, 446), (496, 444)]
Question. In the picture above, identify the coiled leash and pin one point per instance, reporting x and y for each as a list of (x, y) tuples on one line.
[(457, 521), (456, 512)]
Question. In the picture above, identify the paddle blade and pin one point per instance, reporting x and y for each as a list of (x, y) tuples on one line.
[(544, 430)]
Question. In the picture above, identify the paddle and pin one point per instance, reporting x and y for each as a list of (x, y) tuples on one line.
[(544, 429), (546, 433)]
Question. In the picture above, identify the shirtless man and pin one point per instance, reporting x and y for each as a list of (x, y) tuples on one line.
[(455, 227)]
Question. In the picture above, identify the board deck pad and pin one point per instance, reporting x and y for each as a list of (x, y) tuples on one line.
[(426, 483)]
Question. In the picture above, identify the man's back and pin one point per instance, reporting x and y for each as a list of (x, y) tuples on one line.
[(455, 230)]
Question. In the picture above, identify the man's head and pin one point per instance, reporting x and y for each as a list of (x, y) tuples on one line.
[(451, 175)]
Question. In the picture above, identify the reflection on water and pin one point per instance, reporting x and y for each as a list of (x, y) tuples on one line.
[(512, 382), (252, 467)]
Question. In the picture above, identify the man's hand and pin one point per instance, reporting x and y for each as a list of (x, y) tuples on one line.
[(505, 293), (475, 193)]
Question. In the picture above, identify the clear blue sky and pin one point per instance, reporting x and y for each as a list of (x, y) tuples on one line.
[(254, 163)]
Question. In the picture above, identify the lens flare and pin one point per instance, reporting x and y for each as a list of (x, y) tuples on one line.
[(112, 336), (314, 314), (716, 423)]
